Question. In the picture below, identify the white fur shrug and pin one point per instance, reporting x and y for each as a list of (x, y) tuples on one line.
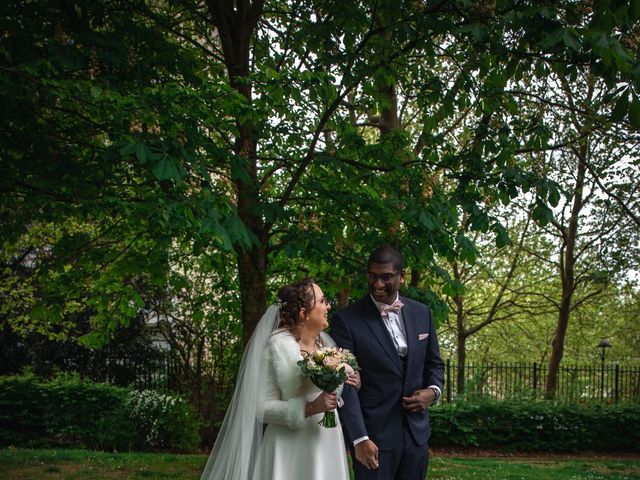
[(284, 396)]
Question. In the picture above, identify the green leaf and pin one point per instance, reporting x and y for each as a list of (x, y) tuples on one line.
[(425, 219), (542, 214), (551, 39), (166, 169), (502, 236), (141, 153), (453, 288), (39, 312), (634, 112), (127, 149), (570, 41), (238, 231), (554, 196), (620, 110), (635, 9)]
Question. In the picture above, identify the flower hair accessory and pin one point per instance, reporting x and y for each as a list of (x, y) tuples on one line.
[(281, 304)]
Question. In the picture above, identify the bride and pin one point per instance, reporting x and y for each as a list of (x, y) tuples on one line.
[(271, 430)]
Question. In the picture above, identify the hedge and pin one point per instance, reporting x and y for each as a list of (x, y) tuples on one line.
[(70, 412), (537, 426)]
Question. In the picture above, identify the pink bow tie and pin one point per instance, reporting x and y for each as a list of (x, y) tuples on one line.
[(394, 307)]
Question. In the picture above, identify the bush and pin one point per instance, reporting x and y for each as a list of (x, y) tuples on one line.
[(163, 421), (536, 426), (68, 411), (22, 409)]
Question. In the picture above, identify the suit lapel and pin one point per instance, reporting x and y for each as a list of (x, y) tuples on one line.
[(376, 325)]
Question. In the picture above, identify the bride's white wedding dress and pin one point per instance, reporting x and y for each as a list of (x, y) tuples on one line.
[(265, 435), (295, 447)]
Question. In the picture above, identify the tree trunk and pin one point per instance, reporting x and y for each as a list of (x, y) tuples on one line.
[(416, 276), (461, 334), (252, 261), (343, 297), (252, 269), (389, 115), (236, 23), (197, 377), (461, 350), (567, 272)]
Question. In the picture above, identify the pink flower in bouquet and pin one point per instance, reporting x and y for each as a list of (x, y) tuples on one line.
[(347, 369), (332, 362)]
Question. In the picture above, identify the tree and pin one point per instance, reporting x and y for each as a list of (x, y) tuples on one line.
[(493, 289), (593, 246), (90, 138), (225, 124)]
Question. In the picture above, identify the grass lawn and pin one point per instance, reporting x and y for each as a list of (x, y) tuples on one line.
[(88, 465), (532, 468)]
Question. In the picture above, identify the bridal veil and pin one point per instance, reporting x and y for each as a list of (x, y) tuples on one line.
[(237, 444)]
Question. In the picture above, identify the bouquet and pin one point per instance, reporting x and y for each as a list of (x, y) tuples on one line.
[(328, 368)]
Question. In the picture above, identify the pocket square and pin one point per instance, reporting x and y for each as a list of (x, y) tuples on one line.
[(422, 336)]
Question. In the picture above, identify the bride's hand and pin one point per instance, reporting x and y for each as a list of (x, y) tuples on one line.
[(354, 380), (322, 403)]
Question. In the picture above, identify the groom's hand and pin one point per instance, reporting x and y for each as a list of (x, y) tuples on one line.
[(354, 380), (367, 454), (419, 400)]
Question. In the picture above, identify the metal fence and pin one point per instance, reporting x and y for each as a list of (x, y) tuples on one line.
[(576, 383), (157, 373), (500, 381)]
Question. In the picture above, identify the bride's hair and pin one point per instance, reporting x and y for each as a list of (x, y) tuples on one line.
[(294, 298)]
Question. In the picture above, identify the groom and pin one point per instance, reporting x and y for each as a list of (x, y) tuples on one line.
[(394, 339)]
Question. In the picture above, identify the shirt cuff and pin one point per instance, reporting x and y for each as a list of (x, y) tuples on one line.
[(360, 440), (437, 391)]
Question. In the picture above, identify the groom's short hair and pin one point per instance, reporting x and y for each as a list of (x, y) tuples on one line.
[(387, 254)]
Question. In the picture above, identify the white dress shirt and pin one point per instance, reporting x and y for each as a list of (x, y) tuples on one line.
[(395, 326)]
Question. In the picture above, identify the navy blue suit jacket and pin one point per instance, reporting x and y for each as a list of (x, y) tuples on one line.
[(376, 410)]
